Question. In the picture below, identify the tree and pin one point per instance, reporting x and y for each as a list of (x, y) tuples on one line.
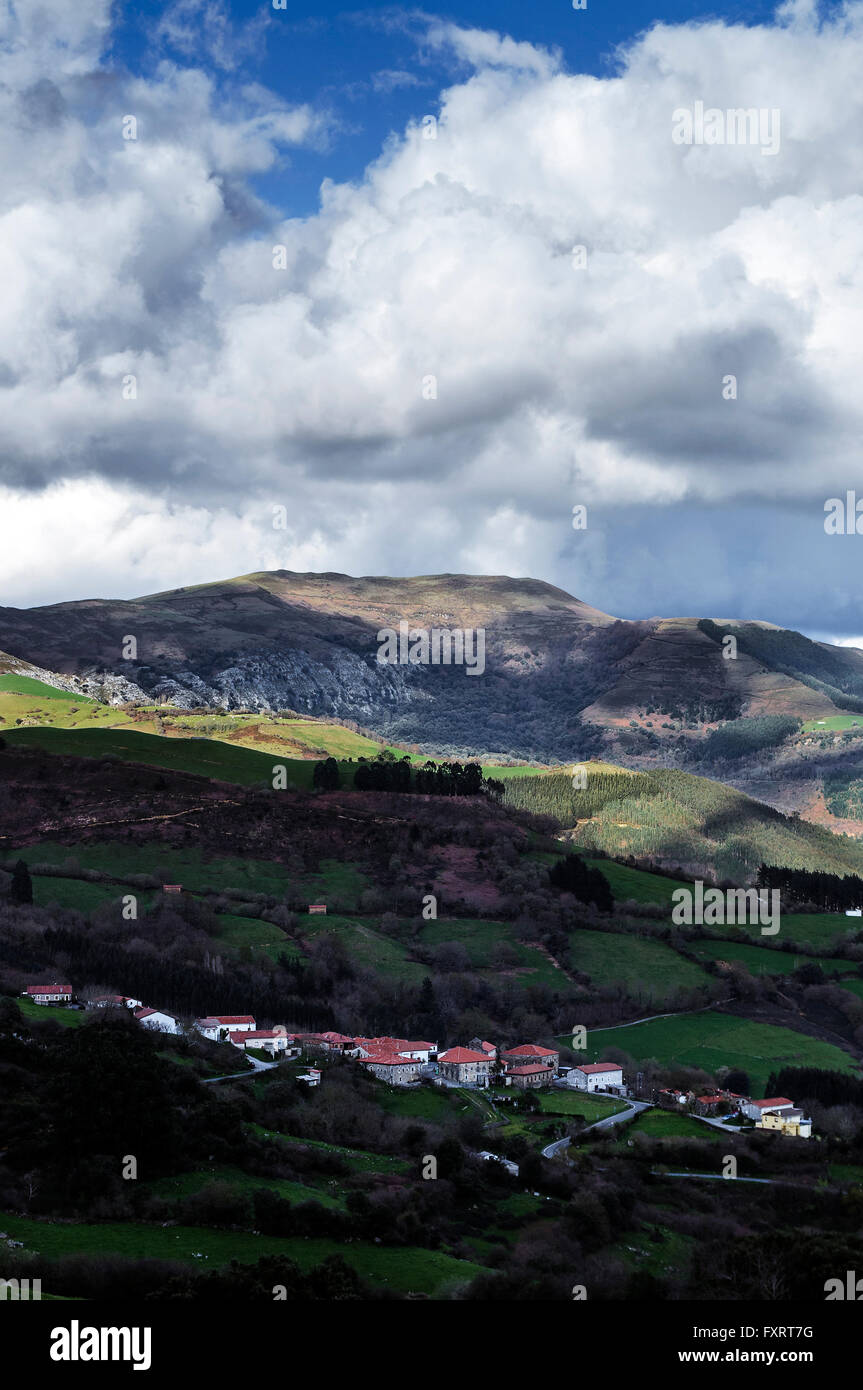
[(326, 776), (21, 889)]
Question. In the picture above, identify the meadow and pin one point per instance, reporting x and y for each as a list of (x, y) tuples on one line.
[(711, 1040)]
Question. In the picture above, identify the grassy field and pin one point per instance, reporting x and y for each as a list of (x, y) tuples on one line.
[(40, 1013), (479, 939), (418, 1103), (407, 1269), (664, 1124), (759, 961), (359, 1160), (636, 885), (558, 1102), (711, 1040), (835, 723), (184, 1184), (13, 684), (224, 762), (648, 969), (198, 872)]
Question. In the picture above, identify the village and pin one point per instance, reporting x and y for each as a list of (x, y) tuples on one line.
[(478, 1065)]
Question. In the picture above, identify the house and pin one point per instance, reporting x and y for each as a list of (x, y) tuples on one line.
[(317, 908), (216, 1027), (792, 1122), (597, 1076), (673, 1100), (712, 1107), (392, 1067), (158, 1020), (530, 1076), (754, 1109), (172, 887), (115, 1001), (854, 912), (271, 1040), (529, 1053), (49, 994), (480, 1045), (312, 1077), (402, 1047), (463, 1067), (336, 1043)]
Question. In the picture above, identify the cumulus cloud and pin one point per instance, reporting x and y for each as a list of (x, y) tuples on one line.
[(429, 370)]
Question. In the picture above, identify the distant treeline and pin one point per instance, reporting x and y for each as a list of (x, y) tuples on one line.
[(810, 1083), (829, 892), (388, 774), (741, 737)]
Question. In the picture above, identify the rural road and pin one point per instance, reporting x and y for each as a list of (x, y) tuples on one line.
[(633, 1107)]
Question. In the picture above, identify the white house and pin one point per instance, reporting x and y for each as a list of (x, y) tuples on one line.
[(854, 912), (596, 1076), (755, 1109), (312, 1077), (157, 1020), (216, 1027), (270, 1040), (49, 994)]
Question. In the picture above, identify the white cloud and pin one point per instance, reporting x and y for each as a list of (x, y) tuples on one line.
[(451, 258)]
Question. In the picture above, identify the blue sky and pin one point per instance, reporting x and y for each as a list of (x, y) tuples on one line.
[(327, 53)]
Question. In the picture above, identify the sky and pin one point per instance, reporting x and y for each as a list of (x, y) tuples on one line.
[(390, 290)]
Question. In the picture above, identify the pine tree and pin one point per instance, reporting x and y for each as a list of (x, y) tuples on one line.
[(21, 890)]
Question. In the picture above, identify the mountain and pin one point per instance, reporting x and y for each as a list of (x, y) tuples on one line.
[(561, 679)]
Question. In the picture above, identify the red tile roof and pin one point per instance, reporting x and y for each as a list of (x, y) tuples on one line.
[(389, 1059), (529, 1050), (226, 1019), (254, 1033), (462, 1054), (592, 1067), (775, 1100), (530, 1069), (48, 989)]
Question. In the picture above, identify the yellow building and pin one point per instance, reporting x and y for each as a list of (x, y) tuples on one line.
[(792, 1122)]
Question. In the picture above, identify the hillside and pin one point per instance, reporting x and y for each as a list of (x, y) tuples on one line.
[(562, 679)]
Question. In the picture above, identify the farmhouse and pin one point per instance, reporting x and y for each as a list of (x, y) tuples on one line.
[(792, 1122), (529, 1053), (463, 1067), (391, 1067), (531, 1076), (402, 1047), (312, 1077), (754, 1109), (271, 1040), (216, 1027), (114, 1001), (157, 1020), (49, 994), (336, 1043), (597, 1076), (480, 1045)]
